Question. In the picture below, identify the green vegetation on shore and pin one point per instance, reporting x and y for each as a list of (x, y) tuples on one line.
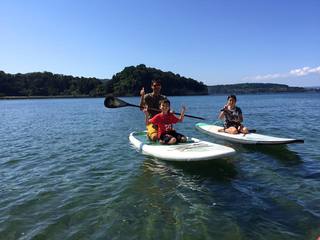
[(49, 84), (247, 88), (128, 82), (125, 83)]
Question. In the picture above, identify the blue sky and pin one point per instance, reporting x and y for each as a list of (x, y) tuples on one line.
[(216, 42)]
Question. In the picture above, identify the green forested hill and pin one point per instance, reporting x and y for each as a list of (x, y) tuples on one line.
[(49, 84), (125, 83), (130, 80)]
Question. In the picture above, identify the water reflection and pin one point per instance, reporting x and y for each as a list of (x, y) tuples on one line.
[(217, 169), (280, 152)]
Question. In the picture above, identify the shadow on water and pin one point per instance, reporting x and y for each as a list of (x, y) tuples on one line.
[(279, 152), (218, 169)]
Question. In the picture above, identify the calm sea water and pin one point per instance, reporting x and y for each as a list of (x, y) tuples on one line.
[(68, 172)]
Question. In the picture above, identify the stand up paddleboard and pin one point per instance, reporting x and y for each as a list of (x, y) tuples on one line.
[(193, 150), (250, 138)]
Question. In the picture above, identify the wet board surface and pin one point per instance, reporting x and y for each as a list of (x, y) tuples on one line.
[(193, 150), (250, 138)]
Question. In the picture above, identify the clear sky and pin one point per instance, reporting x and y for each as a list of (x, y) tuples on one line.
[(213, 41)]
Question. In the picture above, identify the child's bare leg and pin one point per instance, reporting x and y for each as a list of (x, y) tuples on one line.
[(153, 138), (172, 141), (183, 139), (244, 130), (231, 130)]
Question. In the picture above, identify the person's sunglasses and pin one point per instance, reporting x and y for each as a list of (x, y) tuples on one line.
[(157, 85)]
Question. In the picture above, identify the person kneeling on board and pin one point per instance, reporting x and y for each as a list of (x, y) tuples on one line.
[(152, 101), (164, 121), (233, 117)]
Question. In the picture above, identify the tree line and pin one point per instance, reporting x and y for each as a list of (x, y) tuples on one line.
[(48, 84), (125, 83), (247, 88), (130, 81)]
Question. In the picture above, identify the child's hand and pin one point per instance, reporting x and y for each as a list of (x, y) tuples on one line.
[(145, 110), (183, 110), (142, 92), (225, 108)]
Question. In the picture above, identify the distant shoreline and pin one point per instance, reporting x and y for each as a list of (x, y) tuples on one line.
[(256, 88), (127, 83), (44, 97), (88, 96)]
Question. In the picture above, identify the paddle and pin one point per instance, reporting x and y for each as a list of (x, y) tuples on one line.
[(113, 102)]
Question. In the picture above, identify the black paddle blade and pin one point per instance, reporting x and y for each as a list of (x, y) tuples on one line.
[(113, 102)]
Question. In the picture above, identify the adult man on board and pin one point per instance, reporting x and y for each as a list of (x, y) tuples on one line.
[(152, 101)]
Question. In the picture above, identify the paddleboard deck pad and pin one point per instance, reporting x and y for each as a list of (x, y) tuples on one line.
[(193, 150), (250, 138)]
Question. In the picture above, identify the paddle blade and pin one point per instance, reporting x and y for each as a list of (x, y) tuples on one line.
[(113, 102)]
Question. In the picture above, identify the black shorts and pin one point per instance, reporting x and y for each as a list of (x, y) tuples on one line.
[(166, 137), (237, 125)]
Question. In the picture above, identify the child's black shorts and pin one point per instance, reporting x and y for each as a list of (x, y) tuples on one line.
[(166, 137)]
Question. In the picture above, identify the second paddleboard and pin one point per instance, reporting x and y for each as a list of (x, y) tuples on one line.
[(250, 138)]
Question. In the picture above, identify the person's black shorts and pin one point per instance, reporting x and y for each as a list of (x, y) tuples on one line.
[(237, 125), (172, 134)]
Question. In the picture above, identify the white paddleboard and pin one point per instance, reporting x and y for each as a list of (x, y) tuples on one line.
[(250, 138), (193, 150)]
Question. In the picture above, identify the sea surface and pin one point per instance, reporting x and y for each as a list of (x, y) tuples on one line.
[(67, 171)]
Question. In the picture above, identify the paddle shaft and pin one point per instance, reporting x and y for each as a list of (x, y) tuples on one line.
[(157, 110), (110, 100)]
